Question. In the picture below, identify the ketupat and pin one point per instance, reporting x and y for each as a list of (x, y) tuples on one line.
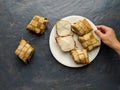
[(24, 51), (38, 24)]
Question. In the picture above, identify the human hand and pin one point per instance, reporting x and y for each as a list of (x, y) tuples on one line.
[(107, 35)]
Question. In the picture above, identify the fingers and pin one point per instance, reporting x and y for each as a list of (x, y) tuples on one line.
[(100, 26), (99, 33), (103, 27)]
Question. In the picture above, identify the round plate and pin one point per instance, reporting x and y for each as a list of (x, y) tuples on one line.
[(65, 58)]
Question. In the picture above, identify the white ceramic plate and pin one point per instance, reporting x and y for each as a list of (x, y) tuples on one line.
[(65, 58)]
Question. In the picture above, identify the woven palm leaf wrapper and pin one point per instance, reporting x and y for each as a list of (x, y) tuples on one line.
[(37, 25), (24, 51)]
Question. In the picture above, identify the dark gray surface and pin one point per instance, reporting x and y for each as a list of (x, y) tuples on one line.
[(44, 72)]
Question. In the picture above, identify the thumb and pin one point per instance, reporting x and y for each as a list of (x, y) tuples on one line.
[(99, 33)]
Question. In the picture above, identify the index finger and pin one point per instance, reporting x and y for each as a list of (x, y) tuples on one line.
[(103, 27)]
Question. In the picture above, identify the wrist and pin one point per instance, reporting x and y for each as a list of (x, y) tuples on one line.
[(116, 47)]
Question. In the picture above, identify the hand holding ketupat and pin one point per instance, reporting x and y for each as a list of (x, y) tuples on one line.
[(108, 37)]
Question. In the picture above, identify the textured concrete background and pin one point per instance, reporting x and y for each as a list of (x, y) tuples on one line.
[(44, 72)]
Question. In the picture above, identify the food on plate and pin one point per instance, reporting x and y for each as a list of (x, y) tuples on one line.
[(24, 51), (37, 24), (77, 46), (89, 41), (80, 56), (63, 28), (82, 27), (66, 43)]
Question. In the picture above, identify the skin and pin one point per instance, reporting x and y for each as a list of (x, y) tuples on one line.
[(108, 37)]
